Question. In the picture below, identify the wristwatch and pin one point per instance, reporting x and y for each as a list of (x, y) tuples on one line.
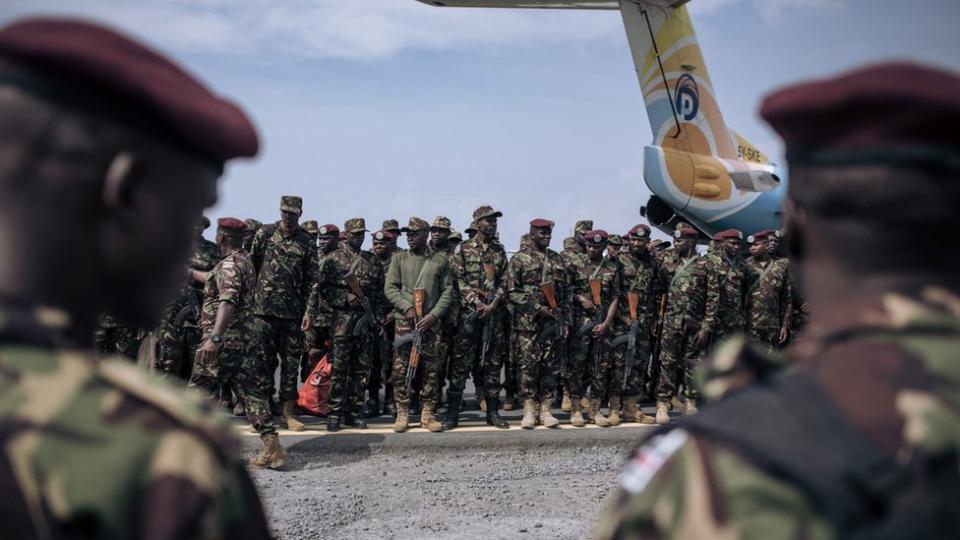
[(216, 339)]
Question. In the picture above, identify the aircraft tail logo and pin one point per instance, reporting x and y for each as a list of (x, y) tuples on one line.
[(688, 97)]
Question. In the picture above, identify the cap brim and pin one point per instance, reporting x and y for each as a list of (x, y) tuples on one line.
[(493, 214), (297, 211)]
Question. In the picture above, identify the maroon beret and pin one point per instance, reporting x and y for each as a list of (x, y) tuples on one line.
[(541, 223), (85, 56), (763, 235), (881, 113), (729, 233), (640, 230), (597, 236), (232, 224), (682, 232), (328, 230)]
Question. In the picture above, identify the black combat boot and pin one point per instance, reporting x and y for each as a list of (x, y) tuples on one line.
[(371, 408), (454, 400), (493, 414), (388, 406), (355, 422), (333, 423)]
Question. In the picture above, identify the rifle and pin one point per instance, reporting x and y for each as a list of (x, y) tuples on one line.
[(556, 330), (633, 300), (369, 317), (191, 310), (596, 288), (487, 336), (416, 337), (653, 365)]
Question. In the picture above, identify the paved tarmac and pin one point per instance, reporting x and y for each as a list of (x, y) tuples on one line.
[(473, 482)]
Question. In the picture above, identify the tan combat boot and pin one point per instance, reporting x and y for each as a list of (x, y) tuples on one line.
[(614, 417), (428, 421), (631, 412), (596, 415), (691, 407), (584, 404), (546, 417), (529, 415), (403, 418), (289, 419), (662, 416), (677, 404), (483, 405), (565, 404), (273, 456), (576, 417)]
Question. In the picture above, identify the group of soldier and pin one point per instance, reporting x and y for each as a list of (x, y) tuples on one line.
[(609, 321)]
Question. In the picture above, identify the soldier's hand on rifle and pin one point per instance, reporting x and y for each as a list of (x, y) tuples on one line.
[(426, 322), (208, 351), (484, 312), (600, 329), (702, 337), (306, 323), (784, 334), (545, 312), (411, 316)]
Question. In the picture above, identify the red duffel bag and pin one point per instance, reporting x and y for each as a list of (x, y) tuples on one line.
[(314, 392)]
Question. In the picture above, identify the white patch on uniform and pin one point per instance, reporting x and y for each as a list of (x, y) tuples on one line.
[(227, 265), (648, 459)]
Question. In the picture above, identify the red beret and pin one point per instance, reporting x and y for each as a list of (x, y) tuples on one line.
[(729, 233), (682, 232), (885, 112), (597, 236), (541, 223), (328, 230), (763, 235), (115, 68), (232, 224), (639, 230), (383, 235)]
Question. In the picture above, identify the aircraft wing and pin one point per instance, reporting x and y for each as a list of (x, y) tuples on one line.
[(542, 4)]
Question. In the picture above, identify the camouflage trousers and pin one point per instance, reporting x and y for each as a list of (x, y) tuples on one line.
[(583, 370), (237, 366), (637, 377), (350, 362), (511, 364), (316, 343), (537, 366), (279, 342), (117, 340), (766, 336), (428, 368), (381, 357), (466, 357), (176, 349), (679, 357)]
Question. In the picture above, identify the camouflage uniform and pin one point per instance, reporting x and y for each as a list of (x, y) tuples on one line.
[(350, 355), (99, 449), (252, 227), (769, 303), (732, 283), (692, 301), (112, 338), (177, 344), (574, 256), (581, 357), (285, 265), (683, 485), (537, 362), (233, 280), (639, 276)]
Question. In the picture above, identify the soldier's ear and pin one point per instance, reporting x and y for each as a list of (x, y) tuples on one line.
[(118, 180)]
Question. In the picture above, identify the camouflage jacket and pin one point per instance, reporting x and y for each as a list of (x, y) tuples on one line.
[(732, 281), (453, 310), (285, 268), (332, 281), (206, 255), (317, 306), (231, 280), (692, 293), (769, 302), (468, 263), (526, 271), (100, 449), (639, 276), (899, 352), (607, 271), (573, 257)]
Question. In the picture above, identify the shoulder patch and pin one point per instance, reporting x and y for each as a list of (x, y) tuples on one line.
[(227, 264), (649, 458)]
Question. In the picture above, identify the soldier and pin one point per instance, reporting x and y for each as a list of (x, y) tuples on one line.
[(732, 282), (471, 231), (857, 439), (252, 227), (226, 358), (426, 270), (392, 226), (529, 271), (511, 358), (312, 228), (440, 232), (574, 256), (455, 239), (480, 266), (113, 338), (285, 261), (614, 246), (382, 353), (639, 277), (317, 335), (179, 334), (689, 319), (769, 302), (109, 170), (353, 328)]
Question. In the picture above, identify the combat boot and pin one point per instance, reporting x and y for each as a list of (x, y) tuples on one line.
[(576, 416), (355, 422), (614, 417), (289, 418), (529, 415), (482, 403), (677, 404), (454, 401), (663, 417), (333, 423), (403, 418), (596, 415), (428, 421), (510, 403), (371, 408), (631, 411), (565, 404), (584, 404), (273, 456), (691, 407), (493, 414), (546, 417)]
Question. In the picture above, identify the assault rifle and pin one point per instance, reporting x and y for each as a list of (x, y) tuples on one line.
[(556, 330), (486, 340), (633, 301), (416, 337), (369, 318), (596, 288), (653, 365), (191, 310)]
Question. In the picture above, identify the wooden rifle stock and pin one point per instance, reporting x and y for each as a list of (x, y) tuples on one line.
[(549, 291), (633, 302), (596, 288), (419, 295)]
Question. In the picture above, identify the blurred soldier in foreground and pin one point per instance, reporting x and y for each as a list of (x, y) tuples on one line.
[(862, 438), (420, 287), (110, 154)]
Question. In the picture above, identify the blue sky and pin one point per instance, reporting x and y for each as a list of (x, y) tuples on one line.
[(389, 108)]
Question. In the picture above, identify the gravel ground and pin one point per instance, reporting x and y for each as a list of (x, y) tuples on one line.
[(491, 485)]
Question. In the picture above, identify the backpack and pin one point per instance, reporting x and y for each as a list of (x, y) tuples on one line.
[(314, 392)]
